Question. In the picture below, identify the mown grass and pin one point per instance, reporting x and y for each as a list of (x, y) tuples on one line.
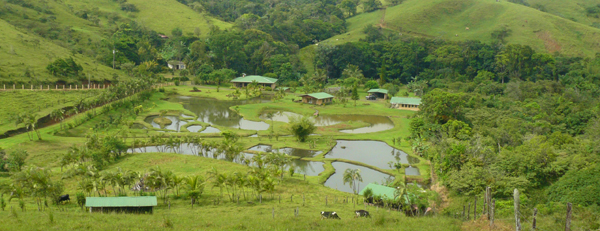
[(447, 19)]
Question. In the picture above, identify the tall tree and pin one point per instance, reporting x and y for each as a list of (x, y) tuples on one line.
[(352, 177)]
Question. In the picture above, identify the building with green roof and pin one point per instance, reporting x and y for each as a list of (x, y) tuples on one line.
[(379, 190), (121, 204), (378, 93), (317, 98), (406, 103), (261, 80)]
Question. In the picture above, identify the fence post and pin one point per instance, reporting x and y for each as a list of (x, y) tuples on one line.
[(469, 211), (463, 214), (260, 197), (303, 200), (273, 212), (517, 221), (568, 221), (533, 223), (491, 214), (475, 209)]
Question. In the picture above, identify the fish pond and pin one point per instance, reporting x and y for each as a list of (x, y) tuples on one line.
[(336, 181), (217, 112), (377, 123), (374, 153)]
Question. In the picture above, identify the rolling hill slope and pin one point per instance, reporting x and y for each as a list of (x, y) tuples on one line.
[(448, 19), (21, 52), (574, 10)]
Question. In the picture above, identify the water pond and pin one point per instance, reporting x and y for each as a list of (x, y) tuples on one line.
[(412, 171), (290, 151), (377, 123), (336, 180), (374, 153), (174, 126), (217, 112)]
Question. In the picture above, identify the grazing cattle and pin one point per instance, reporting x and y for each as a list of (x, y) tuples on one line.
[(362, 213), (329, 215), (64, 198)]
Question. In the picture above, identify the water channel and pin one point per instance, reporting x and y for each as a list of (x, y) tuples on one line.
[(174, 126)]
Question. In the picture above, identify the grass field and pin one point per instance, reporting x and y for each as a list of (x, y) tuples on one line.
[(447, 19), (41, 103), (574, 10), (19, 52)]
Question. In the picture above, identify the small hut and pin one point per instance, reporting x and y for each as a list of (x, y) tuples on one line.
[(377, 94), (261, 80), (121, 204), (320, 98), (176, 65), (406, 103)]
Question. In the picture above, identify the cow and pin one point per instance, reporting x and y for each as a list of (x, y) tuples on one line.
[(329, 215), (64, 198), (362, 213)]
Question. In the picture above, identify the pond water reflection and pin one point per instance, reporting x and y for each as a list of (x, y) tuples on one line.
[(217, 112), (174, 126), (374, 153), (336, 181), (377, 123)]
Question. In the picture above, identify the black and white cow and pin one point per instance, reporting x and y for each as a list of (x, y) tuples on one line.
[(329, 215), (362, 213), (64, 198)]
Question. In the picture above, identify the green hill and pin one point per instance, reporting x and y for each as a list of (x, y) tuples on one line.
[(159, 15), (24, 57), (449, 19), (575, 10)]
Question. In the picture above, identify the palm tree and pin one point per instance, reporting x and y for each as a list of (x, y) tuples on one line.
[(352, 177), (58, 114), (194, 186), (270, 116)]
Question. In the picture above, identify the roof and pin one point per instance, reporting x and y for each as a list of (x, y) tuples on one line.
[(252, 78), (404, 100), (320, 95), (175, 62), (120, 201), (379, 190), (384, 91)]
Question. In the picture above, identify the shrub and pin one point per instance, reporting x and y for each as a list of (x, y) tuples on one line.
[(64, 67), (129, 7), (162, 89), (371, 84), (195, 89), (301, 127)]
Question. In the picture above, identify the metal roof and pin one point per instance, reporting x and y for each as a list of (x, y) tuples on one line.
[(403, 100), (384, 91), (251, 78), (320, 95), (380, 190), (120, 201)]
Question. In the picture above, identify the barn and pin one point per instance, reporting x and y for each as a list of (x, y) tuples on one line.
[(320, 98), (377, 94), (260, 80), (406, 103), (143, 204)]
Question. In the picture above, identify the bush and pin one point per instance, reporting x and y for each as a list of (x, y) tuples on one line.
[(301, 127), (578, 187), (129, 7), (195, 89), (162, 89), (64, 67), (371, 84)]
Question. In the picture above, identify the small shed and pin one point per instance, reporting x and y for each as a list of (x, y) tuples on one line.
[(143, 204), (379, 190), (176, 65), (317, 98), (378, 93), (406, 103), (261, 80)]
